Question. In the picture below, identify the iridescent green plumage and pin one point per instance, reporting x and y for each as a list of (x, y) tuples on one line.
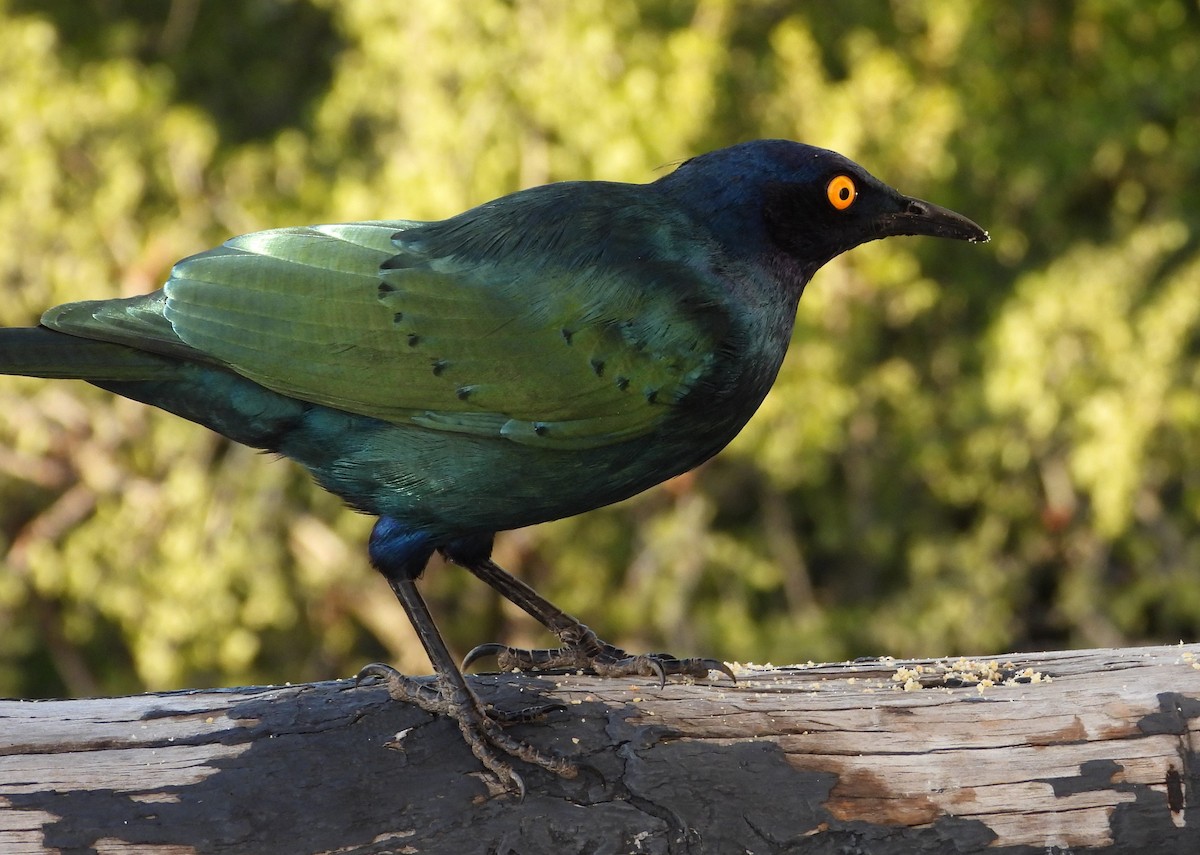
[(583, 349)]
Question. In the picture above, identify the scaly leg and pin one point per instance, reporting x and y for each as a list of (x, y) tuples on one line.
[(401, 555), (581, 648)]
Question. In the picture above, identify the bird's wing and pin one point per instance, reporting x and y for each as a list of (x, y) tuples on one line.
[(342, 315)]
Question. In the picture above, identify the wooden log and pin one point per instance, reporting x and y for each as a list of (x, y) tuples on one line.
[(872, 756)]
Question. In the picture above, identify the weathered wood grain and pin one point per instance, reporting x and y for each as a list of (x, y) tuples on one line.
[(829, 758)]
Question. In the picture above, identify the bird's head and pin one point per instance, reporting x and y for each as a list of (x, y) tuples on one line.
[(810, 204)]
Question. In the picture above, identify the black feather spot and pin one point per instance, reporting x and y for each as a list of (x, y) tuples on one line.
[(413, 339), (398, 318), (401, 261), (622, 383), (598, 367), (651, 396), (439, 366), (386, 288), (464, 392), (540, 429), (566, 334)]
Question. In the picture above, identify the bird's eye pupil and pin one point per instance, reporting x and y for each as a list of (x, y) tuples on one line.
[(841, 192)]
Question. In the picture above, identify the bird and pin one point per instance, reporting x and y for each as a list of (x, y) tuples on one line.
[(538, 356)]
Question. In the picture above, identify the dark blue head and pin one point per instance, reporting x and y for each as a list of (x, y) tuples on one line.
[(810, 204)]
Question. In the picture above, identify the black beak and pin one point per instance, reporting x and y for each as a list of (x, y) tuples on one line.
[(917, 217)]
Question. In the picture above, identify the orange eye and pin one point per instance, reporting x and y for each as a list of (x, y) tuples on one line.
[(841, 192)]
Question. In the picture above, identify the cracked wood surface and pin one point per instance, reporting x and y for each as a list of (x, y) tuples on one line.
[(871, 756)]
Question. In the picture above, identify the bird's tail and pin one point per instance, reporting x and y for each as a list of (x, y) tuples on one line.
[(41, 352), (199, 391)]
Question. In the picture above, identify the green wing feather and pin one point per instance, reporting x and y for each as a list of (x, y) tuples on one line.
[(574, 354)]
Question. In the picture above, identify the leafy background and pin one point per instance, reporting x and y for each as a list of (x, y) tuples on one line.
[(970, 449)]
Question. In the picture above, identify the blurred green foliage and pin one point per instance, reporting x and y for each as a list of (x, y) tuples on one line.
[(970, 449)]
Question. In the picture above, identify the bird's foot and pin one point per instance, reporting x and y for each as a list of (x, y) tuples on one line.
[(583, 650), (480, 728)]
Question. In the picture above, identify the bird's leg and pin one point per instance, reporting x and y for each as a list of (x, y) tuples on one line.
[(401, 556), (581, 647)]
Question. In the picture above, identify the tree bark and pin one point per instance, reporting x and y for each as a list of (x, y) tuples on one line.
[(864, 757)]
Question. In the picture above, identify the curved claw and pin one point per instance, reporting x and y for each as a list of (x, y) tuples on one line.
[(519, 782), (375, 669), (657, 665), (478, 652), (717, 665)]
